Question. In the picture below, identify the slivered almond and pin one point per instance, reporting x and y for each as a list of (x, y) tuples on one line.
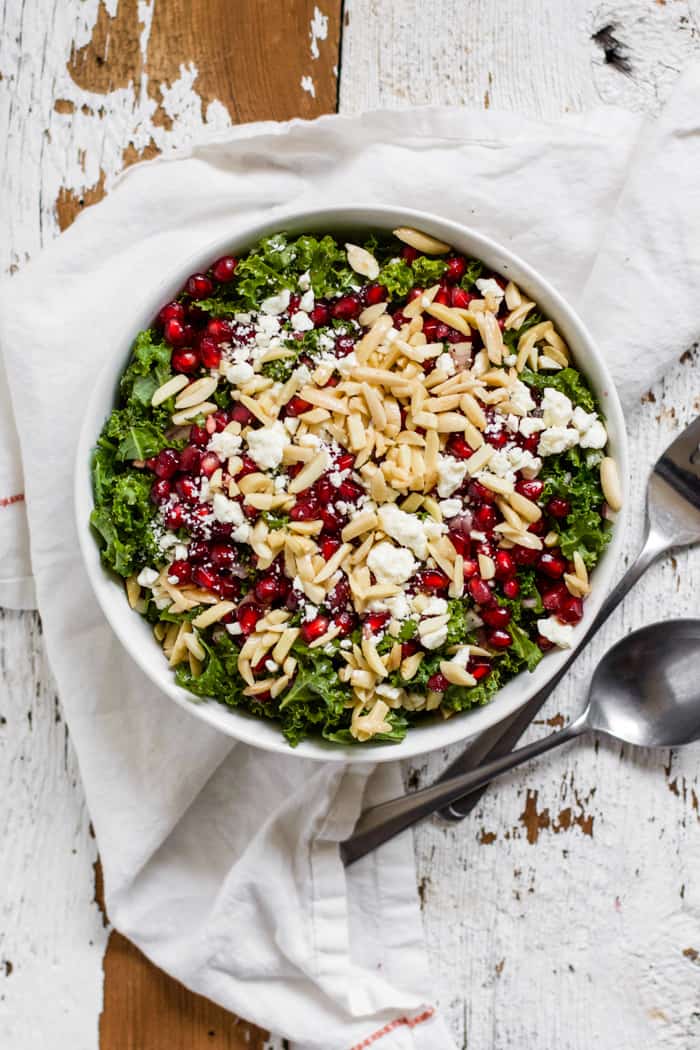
[(330, 634), (362, 261), (473, 411), (364, 521), (479, 460), (456, 589), (195, 646), (204, 408), (610, 483), (580, 567), (333, 563), (213, 614), (474, 437), (526, 508), (451, 317), (356, 431), (371, 340), (421, 302), (492, 337), (513, 296), (510, 515), (310, 473), (487, 567), (576, 586), (374, 661), (456, 674), (374, 404), (422, 242), (370, 314), (133, 591), (522, 539), (324, 399), (496, 484), (359, 556), (551, 539), (451, 423), (426, 420), (173, 386), (196, 392), (255, 407), (315, 416)]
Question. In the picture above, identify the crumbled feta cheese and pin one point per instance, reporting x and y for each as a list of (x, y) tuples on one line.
[(434, 607), (446, 364), (326, 342), (531, 425), (304, 281), (391, 564), (510, 360), (225, 444), (302, 374), (488, 286), (280, 483), (291, 423), (500, 465), (234, 628), (346, 644), (461, 657), (242, 318), (309, 441), (306, 303), (557, 439), (238, 372), (346, 364), (547, 364), (556, 408), (310, 612), (520, 398), (180, 552), (450, 507), (147, 577), (271, 666), (227, 510), (301, 322), (591, 430), (451, 474), (523, 460), (398, 606), (276, 304), (512, 423), (405, 528), (266, 446), (559, 633), (167, 540)]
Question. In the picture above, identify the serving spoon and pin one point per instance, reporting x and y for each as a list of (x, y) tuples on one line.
[(645, 691)]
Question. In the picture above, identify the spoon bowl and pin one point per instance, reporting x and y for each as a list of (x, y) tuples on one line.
[(646, 690)]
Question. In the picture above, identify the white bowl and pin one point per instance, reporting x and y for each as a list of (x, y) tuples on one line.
[(135, 634)]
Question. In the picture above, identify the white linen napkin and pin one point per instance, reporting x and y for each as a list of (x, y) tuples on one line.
[(220, 861)]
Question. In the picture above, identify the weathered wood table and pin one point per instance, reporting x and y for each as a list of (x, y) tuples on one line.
[(566, 911)]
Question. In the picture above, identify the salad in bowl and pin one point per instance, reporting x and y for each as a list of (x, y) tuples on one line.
[(354, 484)]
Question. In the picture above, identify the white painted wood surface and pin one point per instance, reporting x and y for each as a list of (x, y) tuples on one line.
[(565, 913)]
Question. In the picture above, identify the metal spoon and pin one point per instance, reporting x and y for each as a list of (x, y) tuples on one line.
[(645, 691)]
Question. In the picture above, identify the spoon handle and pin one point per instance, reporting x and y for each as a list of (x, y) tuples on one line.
[(504, 736), (380, 823)]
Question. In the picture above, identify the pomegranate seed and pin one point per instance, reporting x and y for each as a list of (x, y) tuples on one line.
[(171, 312), (433, 580), (375, 293), (186, 489), (530, 489), (443, 296), (485, 517), (459, 542), (531, 443), (349, 491), (437, 683), (375, 621), (227, 590), (459, 447), (204, 577), (221, 420), (480, 671), (408, 649), (505, 566), (553, 597), (160, 490), (430, 326), (480, 591), (497, 439), (189, 458), (339, 596), (498, 639), (224, 269), (199, 286), (345, 622), (551, 565), (305, 510), (240, 414), (461, 300), (347, 308), (414, 293), (456, 269), (511, 588), (496, 616), (209, 352), (344, 345), (470, 568), (174, 331), (315, 629), (167, 463), (409, 254), (294, 303), (478, 493), (442, 332), (296, 406), (198, 551), (198, 436), (544, 643), (537, 527), (345, 461), (324, 489), (525, 556), (570, 610), (218, 330), (329, 545), (250, 511), (209, 463), (186, 361), (248, 466), (182, 570), (320, 315), (558, 507), (248, 616), (174, 516), (267, 588), (222, 556)]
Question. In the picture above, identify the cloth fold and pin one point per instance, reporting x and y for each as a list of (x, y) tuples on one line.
[(220, 861)]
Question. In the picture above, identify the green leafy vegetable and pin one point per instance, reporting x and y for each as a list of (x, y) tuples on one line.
[(568, 381), (570, 477)]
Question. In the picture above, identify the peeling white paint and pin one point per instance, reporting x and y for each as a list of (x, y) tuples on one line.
[(318, 30), (307, 84)]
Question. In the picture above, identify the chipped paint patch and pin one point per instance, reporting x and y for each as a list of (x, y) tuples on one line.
[(318, 30), (307, 84)]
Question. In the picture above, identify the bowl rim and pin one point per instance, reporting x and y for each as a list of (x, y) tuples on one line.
[(251, 729)]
